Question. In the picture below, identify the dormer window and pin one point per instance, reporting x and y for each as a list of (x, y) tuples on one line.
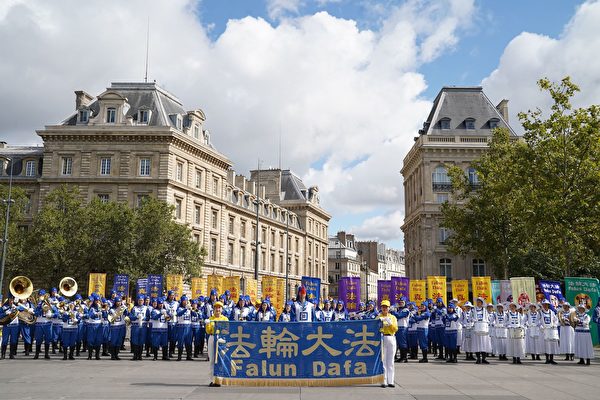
[(445, 123), (111, 115), (470, 123), (83, 116), (179, 123), (144, 117), (494, 123), (206, 137), (196, 132)]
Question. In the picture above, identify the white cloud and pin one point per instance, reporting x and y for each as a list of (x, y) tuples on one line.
[(347, 96), (278, 8), (382, 227), (529, 57)]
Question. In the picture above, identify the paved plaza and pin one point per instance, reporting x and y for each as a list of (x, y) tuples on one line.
[(105, 379)]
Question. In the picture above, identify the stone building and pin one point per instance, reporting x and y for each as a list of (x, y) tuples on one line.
[(343, 260), (456, 132), (136, 140)]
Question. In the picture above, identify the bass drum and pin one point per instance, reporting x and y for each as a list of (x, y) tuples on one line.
[(517, 333), (551, 334), (481, 328)]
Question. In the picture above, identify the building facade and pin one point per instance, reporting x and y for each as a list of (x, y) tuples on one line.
[(456, 133), (136, 140)]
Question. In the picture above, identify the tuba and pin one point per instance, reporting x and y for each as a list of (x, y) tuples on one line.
[(21, 288), (68, 286)]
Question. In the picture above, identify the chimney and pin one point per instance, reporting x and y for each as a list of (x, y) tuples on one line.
[(2, 145), (502, 108), (82, 99)]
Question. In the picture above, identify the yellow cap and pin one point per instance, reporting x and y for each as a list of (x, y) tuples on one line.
[(385, 303), (218, 304)]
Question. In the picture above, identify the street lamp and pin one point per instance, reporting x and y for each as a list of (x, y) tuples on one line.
[(8, 202)]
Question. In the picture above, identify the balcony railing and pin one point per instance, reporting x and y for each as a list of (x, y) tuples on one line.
[(442, 187)]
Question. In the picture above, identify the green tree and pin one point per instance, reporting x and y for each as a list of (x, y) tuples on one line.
[(14, 251)]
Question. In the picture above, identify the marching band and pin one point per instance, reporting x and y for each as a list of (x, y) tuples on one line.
[(61, 320)]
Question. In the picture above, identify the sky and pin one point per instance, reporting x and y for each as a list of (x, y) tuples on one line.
[(344, 84)]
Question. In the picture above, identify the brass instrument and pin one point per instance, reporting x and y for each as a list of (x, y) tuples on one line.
[(21, 288), (118, 313), (166, 314), (68, 286), (9, 317)]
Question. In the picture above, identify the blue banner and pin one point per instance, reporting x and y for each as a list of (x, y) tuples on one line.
[(298, 353), (121, 285), (155, 286), (552, 291), (141, 286), (313, 288)]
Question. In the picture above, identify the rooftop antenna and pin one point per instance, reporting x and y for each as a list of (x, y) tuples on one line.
[(147, 46)]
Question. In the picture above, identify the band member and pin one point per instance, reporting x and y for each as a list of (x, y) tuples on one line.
[(147, 303), (43, 325), (451, 322), (492, 316), (95, 331), (413, 340), (208, 305), (422, 320), (105, 327), (285, 315), (584, 349), (302, 310), (438, 326), (10, 331), (118, 312), (25, 328), (468, 322), (515, 345), (81, 308), (184, 329), (172, 305), (534, 344), (326, 314), (567, 332), (459, 331), (388, 330), (370, 311), (160, 334), (139, 316), (500, 331), (240, 311), (211, 331), (402, 315), (70, 329), (432, 345), (481, 339), (229, 303), (195, 323), (265, 314), (57, 322), (549, 327), (340, 313)]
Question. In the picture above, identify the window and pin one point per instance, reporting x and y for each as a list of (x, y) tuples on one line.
[(67, 165), (30, 168), (445, 123), (198, 179), (215, 219), (215, 186), (179, 171), (206, 138), (494, 122), (143, 117), (83, 116), (178, 206), (196, 132), (446, 268), (104, 197), (272, 238), (263, 236), (443, 235), (337, 265), (470, 123), (196, 238), (243, 228), (213, 249), (272, 264), (197, 214), (478, 267), (179, 122), (145, 167), (111, 115), (281, 266), (231, 225), (440, 179), (473, 179), (242, 256), (27, 209), (140, 199), (441, 198), (105, 166), (230, 253)]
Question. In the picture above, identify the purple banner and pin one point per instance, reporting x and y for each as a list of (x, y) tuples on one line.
[(121, 285), (384, 291), (552, 291), (349, 292), (400, 288)]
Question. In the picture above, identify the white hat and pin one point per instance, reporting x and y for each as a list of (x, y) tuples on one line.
[(468, 304)]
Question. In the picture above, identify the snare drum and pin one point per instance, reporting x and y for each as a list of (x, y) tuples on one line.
[(481, 328), (501, 332), (534, 331), (517, 333), (551, 334)]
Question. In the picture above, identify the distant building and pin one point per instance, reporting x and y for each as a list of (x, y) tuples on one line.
[(456, 132)]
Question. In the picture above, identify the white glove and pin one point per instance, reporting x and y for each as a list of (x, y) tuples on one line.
[(221, 341)]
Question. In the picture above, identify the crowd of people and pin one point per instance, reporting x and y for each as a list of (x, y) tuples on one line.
[(98, 326)]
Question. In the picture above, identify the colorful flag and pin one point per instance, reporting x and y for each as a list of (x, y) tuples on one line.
[(584, 291), (482, 287), (155, 286), (552, 291), (269, 287), (214, 281), (505, 291), (251, 288), (417, 291), (121, 285), (400, 288), (436, 288), (313, 287), (175, 283), (97, 284), (198, 287), (523, 290), (496, 289), (232, 283), (460, 291), (384, 291), (141, 286), (349, 292)]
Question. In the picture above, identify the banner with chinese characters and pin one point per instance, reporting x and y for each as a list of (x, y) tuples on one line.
[(141, 286), (384, 291), (460, 291), (349, 292), (232, 283), (214, 282), (121, 285), (280, 295), (313, 287), (552, 291), (436, 288), (417, 291), (251, 288), (155, 286), (298, 354), (400, 288), (269, 288), (97, 284), (482, 287), (175, 283), (523, 290), (198, 287), (584, 291)]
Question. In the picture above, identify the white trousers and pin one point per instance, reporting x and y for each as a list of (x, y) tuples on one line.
[(211, 356), (389, 352)]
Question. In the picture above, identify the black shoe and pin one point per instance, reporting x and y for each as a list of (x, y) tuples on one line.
[(211, 385), (519, 360), (383, 385), (537, 357), (514, 360), (581, 362), (46, 350), (97, 352), (587, 361), (391, 385)]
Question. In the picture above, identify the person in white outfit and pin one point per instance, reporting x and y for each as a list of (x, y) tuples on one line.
[(549, 331), (481, 339), (388, 331), (515, 344), (567, 331), (534, 344), (500, 331), (584, 349)]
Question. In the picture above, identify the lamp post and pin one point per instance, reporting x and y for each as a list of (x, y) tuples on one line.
[(8, 202)]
